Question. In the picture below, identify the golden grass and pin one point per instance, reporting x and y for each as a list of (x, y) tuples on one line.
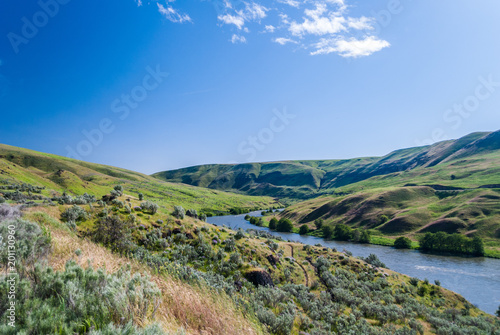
[(196, 310)]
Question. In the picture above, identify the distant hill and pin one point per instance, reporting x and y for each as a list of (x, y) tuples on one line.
[(60, 174), (451, 186), (308, 179)]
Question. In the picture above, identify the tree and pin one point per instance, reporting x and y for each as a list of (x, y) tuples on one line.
[(327, 231), (498, 312), (141, 196), (318, 223), (273, 223), (477, 246), (284, 225), (343, 232), (402, 243), (365, 236), (304, 229)]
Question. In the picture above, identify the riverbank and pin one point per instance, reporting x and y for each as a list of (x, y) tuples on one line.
[(383, 241), (475, 278)]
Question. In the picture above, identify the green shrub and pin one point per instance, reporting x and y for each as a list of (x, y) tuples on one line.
[(193, 213), (304, 229), (284, 225), (76, 300), (343, 232), (140, 196), (179, 212), (113, 232), (239, 234), (327, 231), (414, 281), (318, 223), (150, 207), (273, 223), (373, 260), (31, 243), (364, 237), (74, 213), (402, 243)]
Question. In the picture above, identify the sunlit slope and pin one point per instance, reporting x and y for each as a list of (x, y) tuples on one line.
[(469, 162), (60, 174)]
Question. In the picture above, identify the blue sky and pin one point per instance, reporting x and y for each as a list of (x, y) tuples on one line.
[(157, 85)]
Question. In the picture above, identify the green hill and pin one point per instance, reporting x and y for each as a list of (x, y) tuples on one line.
[(451, 186), (308, 179), (60, 174)]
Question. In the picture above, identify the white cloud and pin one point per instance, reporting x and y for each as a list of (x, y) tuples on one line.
[(293, 3), (363, 23), (283, 40), (351, 47), (270, 28), (172, 14), (319, 26), (238, 21), (238, 39)]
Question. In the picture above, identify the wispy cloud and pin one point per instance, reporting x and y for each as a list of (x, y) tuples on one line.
[(283, 40), (172, 14), (350, 47), (238, 39)]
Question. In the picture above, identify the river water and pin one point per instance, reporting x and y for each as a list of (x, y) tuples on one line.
[(477, 279)]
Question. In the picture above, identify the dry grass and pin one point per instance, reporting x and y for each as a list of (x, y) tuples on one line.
[(196, 310)]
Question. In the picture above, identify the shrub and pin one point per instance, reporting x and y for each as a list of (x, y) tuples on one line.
[(437, 282), (76, 300), (373, 260), (31, 243), (498, 312), (113, 232), (414, 281), (2, 200), (304, 229), (284, 225), (327, 231), (318, 223), (74, 213), (140, 196), (343, 232), (239, 234), (179, 212), (192, 213), (364, 237), (273, 223), (383, 219), (402, 243), (150, 206), (9, 212), (202, 217), (118, 189)]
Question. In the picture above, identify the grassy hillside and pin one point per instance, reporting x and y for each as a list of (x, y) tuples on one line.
[(60, 174), (183, 276), (472, 161), (451, 186)]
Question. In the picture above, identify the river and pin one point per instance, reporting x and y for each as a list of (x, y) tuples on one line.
[(477, 279)]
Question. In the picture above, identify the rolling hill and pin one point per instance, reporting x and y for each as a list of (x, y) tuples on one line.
[(451, 186), (470, 160), (60, 174)]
